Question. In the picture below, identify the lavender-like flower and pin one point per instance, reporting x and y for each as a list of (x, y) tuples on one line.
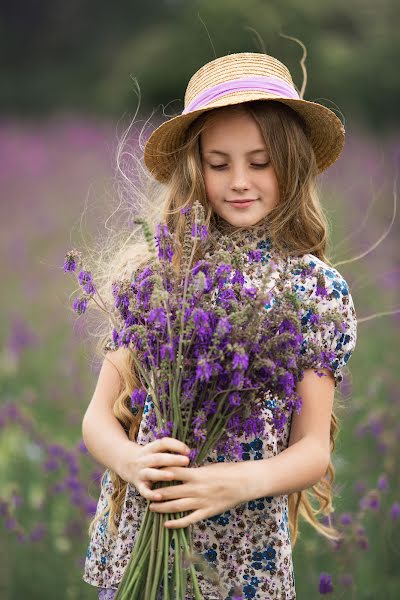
[(325, 583)]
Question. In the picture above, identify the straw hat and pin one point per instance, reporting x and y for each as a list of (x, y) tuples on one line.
[(237, 78)]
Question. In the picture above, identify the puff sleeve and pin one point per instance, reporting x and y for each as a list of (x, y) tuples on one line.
[(328, 316)]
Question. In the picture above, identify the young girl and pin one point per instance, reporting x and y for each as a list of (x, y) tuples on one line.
[(249, 148)]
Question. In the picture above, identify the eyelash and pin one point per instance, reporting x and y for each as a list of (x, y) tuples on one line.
[(219, 167)]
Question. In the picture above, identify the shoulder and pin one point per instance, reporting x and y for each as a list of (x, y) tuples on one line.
[(313, 278)]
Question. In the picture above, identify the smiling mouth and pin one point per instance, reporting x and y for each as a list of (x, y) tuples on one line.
[(241, 203)]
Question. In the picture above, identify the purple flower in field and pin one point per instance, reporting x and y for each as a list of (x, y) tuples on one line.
[(166, 351), (238, 277), (55, 450), (234, 399), (86, 281), (20, 336), (204, 369), (240, 359), (370, 501), (71, 261), (395, 511), (185, 210), (138, 398), (346, 519), (325, 583), (51, 465), (10, 523), (223, 271), (223, 326), (80, 304), (201, 320), (199, 231), (162, 240), (250, 291), (383, 483), (157, 316), (38, 533), (166, 431), (82, 447)]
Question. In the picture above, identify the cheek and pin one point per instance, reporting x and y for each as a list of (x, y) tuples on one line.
[(212, 185)]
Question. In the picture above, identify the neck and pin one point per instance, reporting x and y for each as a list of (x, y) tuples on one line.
[(226, 228)]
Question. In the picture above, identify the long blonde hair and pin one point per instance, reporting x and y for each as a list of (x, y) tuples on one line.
[(298, 219)]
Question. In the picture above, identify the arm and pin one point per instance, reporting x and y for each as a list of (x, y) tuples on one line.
[(307, 457), (103, 434)]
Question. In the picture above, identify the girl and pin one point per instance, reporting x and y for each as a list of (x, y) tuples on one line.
[(249, 148)]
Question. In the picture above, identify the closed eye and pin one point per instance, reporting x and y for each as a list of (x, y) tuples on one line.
[(256, 165)]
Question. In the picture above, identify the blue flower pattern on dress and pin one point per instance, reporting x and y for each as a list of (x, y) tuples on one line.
[(250, 543)]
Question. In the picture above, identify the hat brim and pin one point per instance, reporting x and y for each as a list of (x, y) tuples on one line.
[(324, 129)]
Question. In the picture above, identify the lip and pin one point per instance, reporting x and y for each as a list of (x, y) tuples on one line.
[(242, 203)]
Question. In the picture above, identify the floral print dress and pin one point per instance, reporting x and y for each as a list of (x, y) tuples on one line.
[(249, 544)]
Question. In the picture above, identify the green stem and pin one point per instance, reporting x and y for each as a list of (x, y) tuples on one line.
[(197, 593), (166, 559), (177, 567), (150, 572), (157, 577)]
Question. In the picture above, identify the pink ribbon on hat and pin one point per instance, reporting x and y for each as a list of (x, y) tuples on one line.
[(274, 85)]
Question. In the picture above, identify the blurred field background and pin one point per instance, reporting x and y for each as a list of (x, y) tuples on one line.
[(66, 92)]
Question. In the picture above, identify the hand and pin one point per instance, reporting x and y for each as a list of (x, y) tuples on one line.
[(140, 465), (207, 491)]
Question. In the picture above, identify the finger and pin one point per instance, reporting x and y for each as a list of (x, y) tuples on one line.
[(174, 506), (179, 473), (157, 474), (167, 460), (195, 516), (166, 444), (149, 494)]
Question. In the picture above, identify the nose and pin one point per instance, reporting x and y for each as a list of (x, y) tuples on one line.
[(239, 179)]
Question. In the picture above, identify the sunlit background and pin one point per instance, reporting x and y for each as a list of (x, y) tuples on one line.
[(66, 91)]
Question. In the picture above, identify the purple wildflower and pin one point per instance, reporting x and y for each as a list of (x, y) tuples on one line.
[(346, 519), (199, 231), (240, 359), (383, 483), (325, 583), (138, 398), (234, 399), (204, 369), (223, 326), (157, 316), (238, 277), (395, 511), (80, 304), (86, 281), (166, 349), (71, 260), (223, 271)]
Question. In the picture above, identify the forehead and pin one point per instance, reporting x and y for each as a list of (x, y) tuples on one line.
[(229, 128)]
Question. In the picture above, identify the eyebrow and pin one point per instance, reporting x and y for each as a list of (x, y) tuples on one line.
[(226, 154)]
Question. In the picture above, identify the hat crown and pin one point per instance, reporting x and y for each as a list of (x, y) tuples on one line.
[(235, 66)]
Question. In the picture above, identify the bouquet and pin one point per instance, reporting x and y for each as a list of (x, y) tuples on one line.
[(209, 354)]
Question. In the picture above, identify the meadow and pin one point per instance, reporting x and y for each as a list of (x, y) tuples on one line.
[(50, 170)]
